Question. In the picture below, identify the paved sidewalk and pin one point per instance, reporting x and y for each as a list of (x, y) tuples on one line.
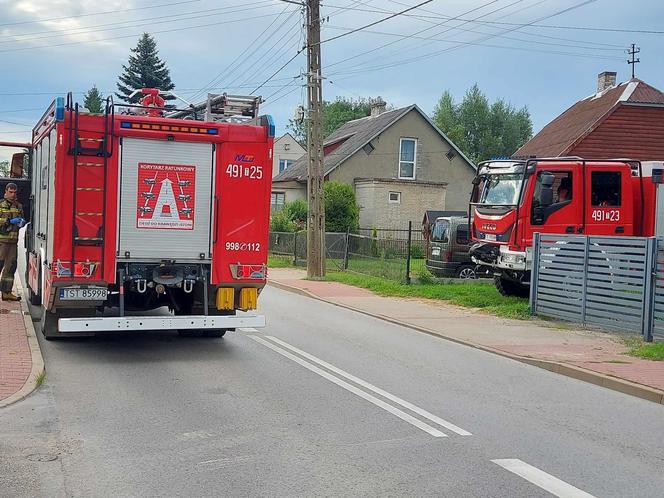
[(591, 356), (20, 358)]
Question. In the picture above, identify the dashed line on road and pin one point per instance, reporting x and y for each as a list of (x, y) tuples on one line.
[(395, 399), (351, 388), (541, 479)]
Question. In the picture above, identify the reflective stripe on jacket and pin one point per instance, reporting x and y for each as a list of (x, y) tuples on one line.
[(8, 210)]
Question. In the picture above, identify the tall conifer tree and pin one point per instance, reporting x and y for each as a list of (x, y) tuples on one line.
[(144, 70)]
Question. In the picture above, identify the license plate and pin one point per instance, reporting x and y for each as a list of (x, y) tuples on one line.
[(490, 236), (90, 294), (435, 251)]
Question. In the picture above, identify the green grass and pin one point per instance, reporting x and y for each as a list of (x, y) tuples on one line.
[(274, 261), (40, 378), (470, 294), (647, 350)]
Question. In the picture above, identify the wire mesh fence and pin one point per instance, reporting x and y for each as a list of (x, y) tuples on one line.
[(397, 255)]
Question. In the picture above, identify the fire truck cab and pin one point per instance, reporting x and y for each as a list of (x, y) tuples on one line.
[(142, 207), (512, 200)]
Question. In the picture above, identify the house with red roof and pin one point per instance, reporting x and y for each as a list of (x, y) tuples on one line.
[(623, 120)]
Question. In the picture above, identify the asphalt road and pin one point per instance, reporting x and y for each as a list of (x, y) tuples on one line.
[(323, 402)]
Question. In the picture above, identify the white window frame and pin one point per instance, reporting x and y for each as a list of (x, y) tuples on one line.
[(398, 199), (287, 164), (401, 140)]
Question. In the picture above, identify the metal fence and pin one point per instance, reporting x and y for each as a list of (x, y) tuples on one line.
[(610, 282), (394, 254)]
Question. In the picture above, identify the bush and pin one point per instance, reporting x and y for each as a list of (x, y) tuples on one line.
[(281, 222), (341, 210), (416, 251), (375, 252), (297, 212), (425, 277), (291, 218)]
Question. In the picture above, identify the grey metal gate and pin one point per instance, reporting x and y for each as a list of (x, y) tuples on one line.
[(602, 281)]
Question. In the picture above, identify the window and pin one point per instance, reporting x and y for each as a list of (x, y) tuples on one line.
[(395, 198), (450, 154), (439, 232), (562, 187), (368, 148), (277, 201), (605, 188), (284, 164), (407, 158), (462, 235)]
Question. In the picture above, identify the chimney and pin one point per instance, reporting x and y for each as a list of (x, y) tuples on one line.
[(378, 107), (606, 80)]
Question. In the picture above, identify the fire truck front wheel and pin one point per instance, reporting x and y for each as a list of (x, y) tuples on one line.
[(509, 287)]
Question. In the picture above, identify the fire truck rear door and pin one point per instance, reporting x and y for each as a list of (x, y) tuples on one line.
[(165, 200)]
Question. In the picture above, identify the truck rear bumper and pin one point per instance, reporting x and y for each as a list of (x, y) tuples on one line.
[(129, 323)]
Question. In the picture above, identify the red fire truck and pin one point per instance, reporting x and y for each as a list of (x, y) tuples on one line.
[(144, 207), (512, 200)]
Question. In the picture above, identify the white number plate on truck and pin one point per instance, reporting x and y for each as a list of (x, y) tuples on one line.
[(89, 294)]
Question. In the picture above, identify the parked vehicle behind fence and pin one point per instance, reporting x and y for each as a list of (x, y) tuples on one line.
[(448, 254)]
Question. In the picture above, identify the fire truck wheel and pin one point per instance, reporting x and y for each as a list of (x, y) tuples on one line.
[(34, 299), (510, 288), (202, 333), (214, 333)]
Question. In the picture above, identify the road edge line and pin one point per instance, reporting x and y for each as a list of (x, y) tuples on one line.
[(38, 366), (574, 372)]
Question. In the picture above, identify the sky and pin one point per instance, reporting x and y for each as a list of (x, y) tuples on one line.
[(520, 50)]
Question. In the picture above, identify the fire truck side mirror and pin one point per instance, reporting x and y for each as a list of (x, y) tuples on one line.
[(546, 193), (17, 169)]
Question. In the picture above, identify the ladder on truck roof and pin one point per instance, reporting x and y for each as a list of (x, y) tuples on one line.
[(222, 108), (89, 152)]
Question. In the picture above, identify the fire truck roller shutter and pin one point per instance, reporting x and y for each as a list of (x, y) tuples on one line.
[(165, 200)]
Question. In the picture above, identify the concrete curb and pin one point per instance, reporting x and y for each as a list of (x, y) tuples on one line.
[(614, 383), (38, 366)]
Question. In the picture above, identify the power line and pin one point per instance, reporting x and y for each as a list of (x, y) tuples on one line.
[(377, 22), (230, 67), (15, 123), (99, 13), (478, 42), (135, 34), (550, 26), (83, 30)]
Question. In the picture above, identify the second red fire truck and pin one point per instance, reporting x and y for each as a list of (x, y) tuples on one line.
[(512, 200)]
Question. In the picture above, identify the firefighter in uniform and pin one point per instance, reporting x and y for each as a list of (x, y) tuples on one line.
[(11, 219)]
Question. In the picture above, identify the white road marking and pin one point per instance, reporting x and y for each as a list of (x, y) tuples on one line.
[(248, 329), (377, 390), (541, 479), (345, 385)]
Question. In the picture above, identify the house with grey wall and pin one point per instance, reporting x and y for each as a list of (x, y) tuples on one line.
[(286, 152), (399, 163)]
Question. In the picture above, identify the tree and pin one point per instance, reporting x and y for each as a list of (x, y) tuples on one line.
[(4, 169), (335, 114), (482, 130), (94, 101), (341, 210), (144, 70)]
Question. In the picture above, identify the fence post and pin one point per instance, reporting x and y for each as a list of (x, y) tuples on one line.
[(346, 249), (586, 257), (534, 274), (295, 249), (410, 230), (649, 289)]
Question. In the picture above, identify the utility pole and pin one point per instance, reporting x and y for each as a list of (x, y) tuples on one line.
[(316, 225), (633, 62)]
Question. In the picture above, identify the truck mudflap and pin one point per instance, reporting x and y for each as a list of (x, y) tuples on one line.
[(185, 322)]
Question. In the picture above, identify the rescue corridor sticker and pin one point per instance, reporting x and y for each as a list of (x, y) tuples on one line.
[(166, 196)]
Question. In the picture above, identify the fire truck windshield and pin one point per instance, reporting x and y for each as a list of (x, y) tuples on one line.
[(500, 189)]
